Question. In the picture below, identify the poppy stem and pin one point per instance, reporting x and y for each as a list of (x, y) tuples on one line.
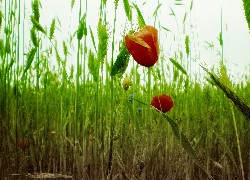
[(149, 89)]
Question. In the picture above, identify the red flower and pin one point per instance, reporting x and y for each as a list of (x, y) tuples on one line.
[(23, 144), (162, 102), (143, 46)]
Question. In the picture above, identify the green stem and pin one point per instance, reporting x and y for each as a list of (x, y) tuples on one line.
[(238, 141), (149, 94), (112, 106)]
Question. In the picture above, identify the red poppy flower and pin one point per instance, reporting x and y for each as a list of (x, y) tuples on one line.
[(162, 102), (143, 46)]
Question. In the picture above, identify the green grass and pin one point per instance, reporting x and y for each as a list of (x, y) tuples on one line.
[(86, 125)]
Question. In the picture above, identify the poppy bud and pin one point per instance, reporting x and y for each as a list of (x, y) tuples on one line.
[(126, 83), (143, 46), (162, 102)]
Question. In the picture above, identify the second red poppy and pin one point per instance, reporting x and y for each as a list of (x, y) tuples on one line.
[(162, 102)]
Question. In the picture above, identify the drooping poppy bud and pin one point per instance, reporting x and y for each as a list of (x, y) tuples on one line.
[(162, 102), (126, 83), (143, 46)]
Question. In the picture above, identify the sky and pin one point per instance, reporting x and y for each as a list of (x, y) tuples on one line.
[(203, 26)]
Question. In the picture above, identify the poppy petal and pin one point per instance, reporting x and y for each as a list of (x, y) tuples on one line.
[(143, 46), (162, 102)]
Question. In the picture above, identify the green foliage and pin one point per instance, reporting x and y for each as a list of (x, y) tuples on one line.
[(178, 66), (141, 21), (103, 41), (186, 144), (30, 58), (1, 48), (224, 75), (93, 39), (1, 19), (58, 57), (65, 49), (166, 29), (121, 62), (82, 29), (116, 3), (157, 9), (127, 10), (72, 3), (93, 65), (221, 39), (239, 103), (225, 146), (187, 45), (191, 5), (34, 37), (104, 2), (52, 29), (178, 2), (71, 117), (7, 45), (9, 66), (185, 17), (246, 4), (35, 9), (37, 25), (172, 12)]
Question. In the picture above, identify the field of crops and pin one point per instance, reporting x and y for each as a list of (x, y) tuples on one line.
[(103, 104)]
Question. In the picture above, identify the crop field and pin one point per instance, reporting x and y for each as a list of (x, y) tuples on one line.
[(118, 98)]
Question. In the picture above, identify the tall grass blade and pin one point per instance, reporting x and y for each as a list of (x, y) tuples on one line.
[(58, 57), (37, 25), (2, 47), (185, 143), (30, 58), (116, 3), (140, 18), (72, 3), (1, 19), (224, 78), (221, 39), (191, 5), (183, 140), (187, 45), (35, 9), (239, 103), (185, 18), (127, 10), (93, 65), (34, 37), (65, 49), (92, 38), (178, 2), (7, 48), (178, 66), (172, 12), (121, 62), (9, 66), (246, 4), (226, 148), (82, 30), (103, 41), (166, 29), (52, 29), (157, 9)]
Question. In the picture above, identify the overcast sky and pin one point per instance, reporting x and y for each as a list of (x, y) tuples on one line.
[(203, 25)]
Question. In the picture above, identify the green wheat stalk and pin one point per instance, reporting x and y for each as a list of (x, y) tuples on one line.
[(239, 103)]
